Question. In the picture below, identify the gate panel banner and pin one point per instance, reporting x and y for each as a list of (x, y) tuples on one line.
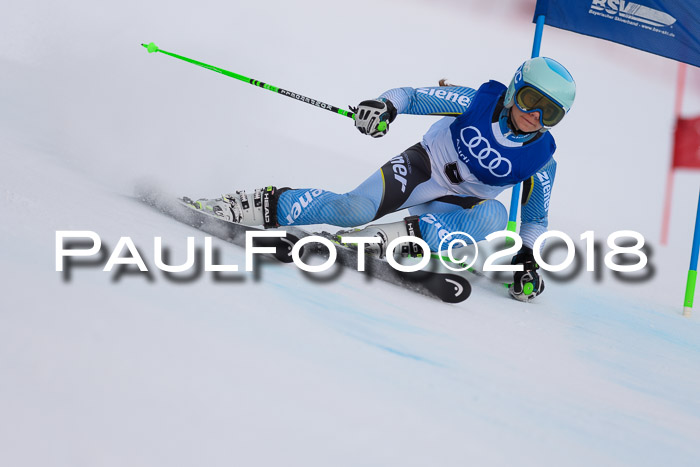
[(670, 28), (686, 150)]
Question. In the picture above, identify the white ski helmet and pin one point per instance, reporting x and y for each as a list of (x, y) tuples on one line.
[(544, 85)]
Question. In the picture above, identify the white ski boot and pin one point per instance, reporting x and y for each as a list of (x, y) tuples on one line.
[(386, 234), (240, 208)]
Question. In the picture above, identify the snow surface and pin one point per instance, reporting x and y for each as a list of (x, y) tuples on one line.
[(107, 369)]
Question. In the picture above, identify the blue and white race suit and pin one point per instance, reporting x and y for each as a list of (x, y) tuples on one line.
[(450, 178)]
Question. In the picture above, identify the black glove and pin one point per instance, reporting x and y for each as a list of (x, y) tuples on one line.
[(372, 117), (527, 284)]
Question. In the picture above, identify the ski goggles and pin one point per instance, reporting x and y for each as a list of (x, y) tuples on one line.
[(530, 99)]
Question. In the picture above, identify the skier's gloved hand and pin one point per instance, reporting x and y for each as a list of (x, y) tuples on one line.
[(527, 284), (372, 117)]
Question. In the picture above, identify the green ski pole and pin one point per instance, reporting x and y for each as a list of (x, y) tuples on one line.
[(154, 48)]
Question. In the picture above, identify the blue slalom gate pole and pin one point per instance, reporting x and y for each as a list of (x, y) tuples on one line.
[(693, 271), (539, 26), (515, 197)]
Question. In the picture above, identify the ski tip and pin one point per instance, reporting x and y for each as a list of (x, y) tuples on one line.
[(151, 47), (457, 290)]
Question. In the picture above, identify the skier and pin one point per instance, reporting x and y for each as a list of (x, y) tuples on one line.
[(489, 140)]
